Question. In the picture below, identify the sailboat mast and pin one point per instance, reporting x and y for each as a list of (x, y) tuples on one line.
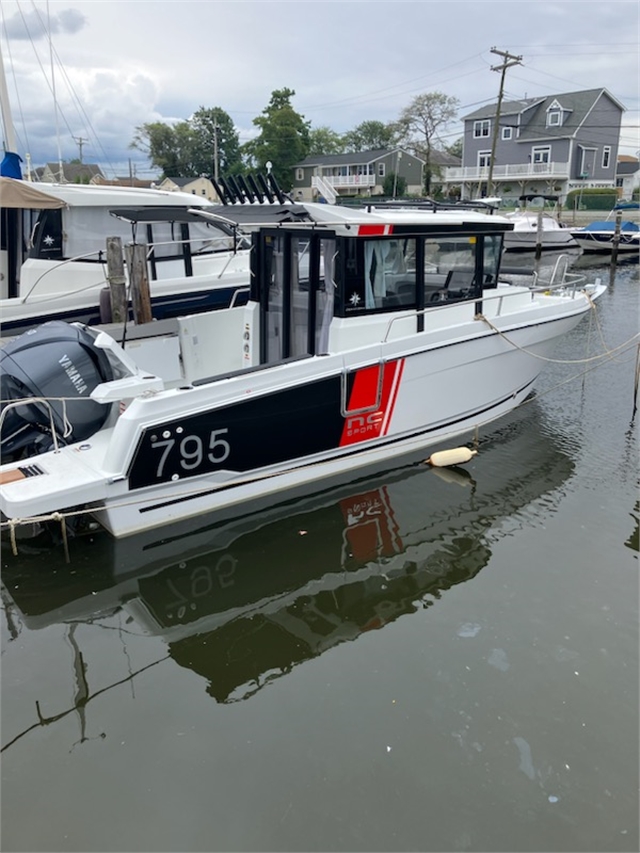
[(9, 133), (55, 99)]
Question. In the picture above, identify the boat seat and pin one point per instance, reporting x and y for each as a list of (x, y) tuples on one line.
[(406, 292)]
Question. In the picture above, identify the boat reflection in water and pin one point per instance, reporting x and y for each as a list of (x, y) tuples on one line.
[(243, 602)]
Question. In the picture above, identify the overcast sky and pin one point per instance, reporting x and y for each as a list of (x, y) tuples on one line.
[(121, 63)]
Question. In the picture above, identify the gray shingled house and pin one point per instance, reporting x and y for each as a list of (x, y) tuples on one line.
[(326, 176), (548, 145)]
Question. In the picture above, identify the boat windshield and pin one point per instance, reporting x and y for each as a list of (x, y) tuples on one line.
[(395, 273)]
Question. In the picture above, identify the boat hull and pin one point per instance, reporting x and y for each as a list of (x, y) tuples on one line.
[(522, 241), (263, 434), (603, 243)]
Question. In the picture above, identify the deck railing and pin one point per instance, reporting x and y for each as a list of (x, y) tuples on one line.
[(514, 171)]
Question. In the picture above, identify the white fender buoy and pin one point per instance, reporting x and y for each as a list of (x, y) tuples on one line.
[(455, 456)]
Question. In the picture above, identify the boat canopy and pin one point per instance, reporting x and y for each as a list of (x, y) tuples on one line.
[(23, 195), (155, 214), (608, 225)]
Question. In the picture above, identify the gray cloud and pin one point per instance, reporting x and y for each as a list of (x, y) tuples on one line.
[(35, 25)]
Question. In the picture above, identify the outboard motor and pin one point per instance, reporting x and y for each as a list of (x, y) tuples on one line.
[(52, 360)]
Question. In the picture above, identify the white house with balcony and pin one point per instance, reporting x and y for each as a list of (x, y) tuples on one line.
[(549, 145), (328, 176)]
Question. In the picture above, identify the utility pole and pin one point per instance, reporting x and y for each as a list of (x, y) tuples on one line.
[(215, 149), (79, 142), (508, 61)]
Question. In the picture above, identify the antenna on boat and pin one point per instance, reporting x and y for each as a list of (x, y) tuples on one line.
[(228, 191), (276, 189), (219, 190), (235, 189), (265, 187), (254, 186), (245, 189)]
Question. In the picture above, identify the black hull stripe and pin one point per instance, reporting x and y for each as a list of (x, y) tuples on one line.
[(358, 450)]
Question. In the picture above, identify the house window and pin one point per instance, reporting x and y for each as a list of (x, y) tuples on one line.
[(381, 170), (541, 155), (606, 156), (299, 174), (484, 159), (507, 133), (554, 118), (481, 128)]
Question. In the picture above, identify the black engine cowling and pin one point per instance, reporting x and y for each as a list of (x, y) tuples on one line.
[(54, 360)]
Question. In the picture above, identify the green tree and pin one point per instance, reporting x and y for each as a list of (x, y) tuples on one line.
[(188, 148), (165, 146), (420, 125), (206, 125), (394, 186), (455, 149), (283, 140), (371, 136), (324, 140)]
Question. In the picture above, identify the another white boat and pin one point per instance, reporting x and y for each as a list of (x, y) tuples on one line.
[(533, 229), (367, 335), (599, 236), (53, 252)]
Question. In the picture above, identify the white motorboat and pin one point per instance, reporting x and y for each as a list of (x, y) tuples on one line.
[(367, 335), (535, 230), (53, 260), (600, 236)]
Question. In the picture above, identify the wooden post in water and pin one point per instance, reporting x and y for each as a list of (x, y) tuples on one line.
[(614, 247), (539, 240), (116, 279), (140, 297)]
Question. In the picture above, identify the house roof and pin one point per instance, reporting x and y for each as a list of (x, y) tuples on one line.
[(123, 182), (74, 172), (182, 182), (627, 166), (352, 158), (507, 108), (577, 104), (443, 158)]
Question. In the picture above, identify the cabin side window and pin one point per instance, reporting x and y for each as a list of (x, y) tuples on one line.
[(86, 230), (449, 268), (379, 275), (47, 236), (382, 275)]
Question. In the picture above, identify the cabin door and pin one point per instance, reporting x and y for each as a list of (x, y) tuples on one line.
[(297, 293)]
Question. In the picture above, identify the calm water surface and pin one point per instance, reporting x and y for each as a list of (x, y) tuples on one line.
[(423, 660)]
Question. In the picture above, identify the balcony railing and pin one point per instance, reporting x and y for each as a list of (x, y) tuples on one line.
[(343, 181), (518, 171)]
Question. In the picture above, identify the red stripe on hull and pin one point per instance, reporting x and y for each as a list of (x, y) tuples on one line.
[(364, 395)]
